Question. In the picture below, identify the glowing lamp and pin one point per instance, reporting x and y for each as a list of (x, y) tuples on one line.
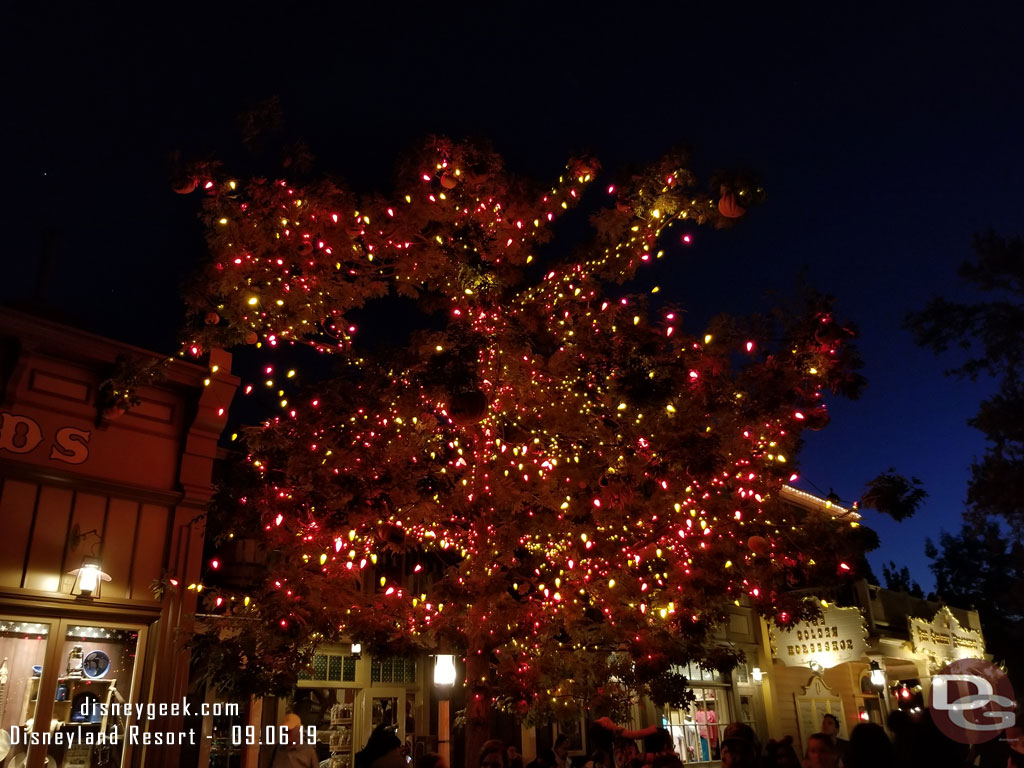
[(88, 578), (356, 650), (757, 674), (444, 669), (877, 675)]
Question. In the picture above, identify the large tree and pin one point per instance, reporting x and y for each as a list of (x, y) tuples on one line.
[(566, 482), (982, 568), (992, 335), (982, 564)]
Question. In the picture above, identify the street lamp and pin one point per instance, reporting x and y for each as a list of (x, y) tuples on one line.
[(444, 679)]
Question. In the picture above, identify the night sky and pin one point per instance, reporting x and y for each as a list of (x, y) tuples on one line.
[(885, 136)]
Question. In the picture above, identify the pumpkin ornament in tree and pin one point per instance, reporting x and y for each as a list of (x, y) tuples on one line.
[(467, 408), (185, 185), (211, 318), (759, 545), (728, 205), (449, 180)]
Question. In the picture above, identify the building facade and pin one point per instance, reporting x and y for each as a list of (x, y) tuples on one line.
[(101, 510)]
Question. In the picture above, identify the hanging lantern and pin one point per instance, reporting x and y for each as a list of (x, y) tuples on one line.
[(467, 408), (727, 205)]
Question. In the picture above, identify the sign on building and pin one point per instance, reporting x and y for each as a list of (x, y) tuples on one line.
[(816, 700), (944, 640), (838, 636)]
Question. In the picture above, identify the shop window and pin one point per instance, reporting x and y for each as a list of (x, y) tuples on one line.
[(393, 670), (22, 655), (331, 667), (91, 688), (697, 674), (697, 729)]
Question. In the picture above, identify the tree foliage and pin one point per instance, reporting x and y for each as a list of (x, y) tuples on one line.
[(991, 333), (898, 579), (894, 495), (552, 475), (982, 566)]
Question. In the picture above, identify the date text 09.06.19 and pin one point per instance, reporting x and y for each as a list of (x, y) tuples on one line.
[(249, 735)]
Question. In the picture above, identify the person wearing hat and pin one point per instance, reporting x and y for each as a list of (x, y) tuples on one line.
[(383, 750), (293, 754)]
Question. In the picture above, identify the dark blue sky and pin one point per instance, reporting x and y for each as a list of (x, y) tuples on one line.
[(886, 136)]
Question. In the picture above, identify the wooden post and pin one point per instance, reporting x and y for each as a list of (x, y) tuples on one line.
[(444, 742)]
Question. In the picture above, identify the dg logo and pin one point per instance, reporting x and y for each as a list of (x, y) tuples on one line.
[(972, 702)]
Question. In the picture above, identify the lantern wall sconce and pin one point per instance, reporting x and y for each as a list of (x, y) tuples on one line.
[(89, 576), (356, 650), (757, 675), (877, 675)]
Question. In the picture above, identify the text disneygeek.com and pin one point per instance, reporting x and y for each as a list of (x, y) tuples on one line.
[(94, 712)]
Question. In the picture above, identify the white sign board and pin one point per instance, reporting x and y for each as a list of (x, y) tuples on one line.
[(840, 635), (944, 640)]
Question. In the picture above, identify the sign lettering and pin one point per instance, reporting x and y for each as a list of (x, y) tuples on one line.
[(21, 435), (836, 637)]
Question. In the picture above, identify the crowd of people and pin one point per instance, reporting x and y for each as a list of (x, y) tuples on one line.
[(913, 742)]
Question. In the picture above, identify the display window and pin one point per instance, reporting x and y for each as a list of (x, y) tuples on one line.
[(23, 646), (66, 692), (697, 729)]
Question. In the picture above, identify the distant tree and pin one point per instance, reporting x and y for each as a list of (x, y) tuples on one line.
[(992, 333), (982, 566), (898, 579)]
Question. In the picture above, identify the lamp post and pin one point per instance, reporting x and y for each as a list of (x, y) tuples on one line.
[(444, 679)]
